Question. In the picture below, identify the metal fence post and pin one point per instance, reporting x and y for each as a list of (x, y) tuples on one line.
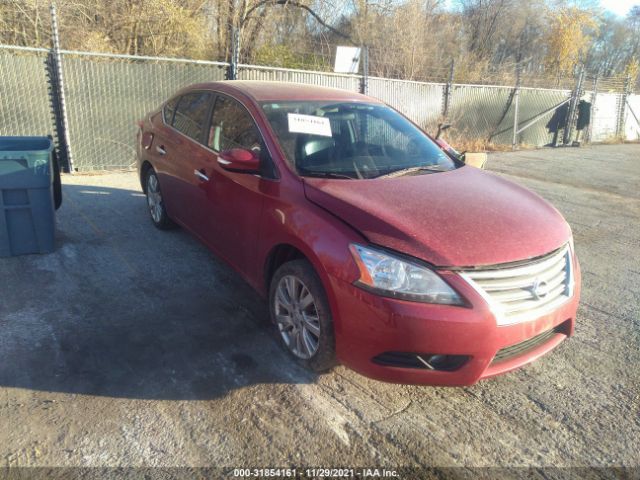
[(594, 97), (364, 81), (516, 108), (56, 89), (571, 115), (232, 72), (446, 99)]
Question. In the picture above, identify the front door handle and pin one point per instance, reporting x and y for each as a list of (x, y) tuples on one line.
[(160, 149), (200, 174)]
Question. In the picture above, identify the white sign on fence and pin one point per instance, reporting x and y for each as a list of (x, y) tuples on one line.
[(347, 60)]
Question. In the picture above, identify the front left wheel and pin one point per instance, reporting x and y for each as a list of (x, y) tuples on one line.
[(300, 311)]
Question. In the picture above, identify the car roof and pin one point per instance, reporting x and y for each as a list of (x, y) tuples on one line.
[(261, 91)]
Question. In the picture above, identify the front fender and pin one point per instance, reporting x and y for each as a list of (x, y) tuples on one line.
[(320, 236)]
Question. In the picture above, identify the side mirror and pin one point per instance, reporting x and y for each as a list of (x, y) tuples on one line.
[(443, 144), (448, 148), (239, 160)]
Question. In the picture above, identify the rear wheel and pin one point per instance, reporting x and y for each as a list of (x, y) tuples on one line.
[(155, 202), (300, 311)]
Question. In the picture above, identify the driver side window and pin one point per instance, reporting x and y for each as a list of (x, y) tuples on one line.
[(232, 127)]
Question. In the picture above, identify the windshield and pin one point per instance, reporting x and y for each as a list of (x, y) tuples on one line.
[(352, 140)]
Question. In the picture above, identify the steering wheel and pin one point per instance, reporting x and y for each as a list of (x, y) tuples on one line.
[(367, 168), (413, 147), (385, 152)]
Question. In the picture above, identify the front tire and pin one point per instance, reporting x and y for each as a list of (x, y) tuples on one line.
[(300, 311), (155, 202)]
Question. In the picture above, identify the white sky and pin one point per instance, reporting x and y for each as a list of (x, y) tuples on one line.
[(619, 7)]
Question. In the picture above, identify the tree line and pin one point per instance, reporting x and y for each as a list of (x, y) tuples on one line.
[(410, 39)]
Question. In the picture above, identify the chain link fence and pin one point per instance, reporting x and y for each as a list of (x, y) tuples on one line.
[(335, 80), (107, 94), (632, 117), (24, 93), (421, 102)]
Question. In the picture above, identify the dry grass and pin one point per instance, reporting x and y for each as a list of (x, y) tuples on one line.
[(463, 144)]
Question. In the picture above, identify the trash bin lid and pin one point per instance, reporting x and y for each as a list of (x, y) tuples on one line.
[(24, 145), (25, 162)]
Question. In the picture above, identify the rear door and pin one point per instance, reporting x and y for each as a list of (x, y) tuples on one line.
[(184, 155), (161, 145)]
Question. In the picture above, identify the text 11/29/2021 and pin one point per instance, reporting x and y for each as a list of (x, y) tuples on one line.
[(314, 473)]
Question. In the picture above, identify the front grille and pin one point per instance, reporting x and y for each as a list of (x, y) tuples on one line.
[(527, 290), (528, 345)]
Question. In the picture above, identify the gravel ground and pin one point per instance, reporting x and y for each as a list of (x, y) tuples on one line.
[(134, 347)]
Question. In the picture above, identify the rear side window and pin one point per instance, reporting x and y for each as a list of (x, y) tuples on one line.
[(169, 109), (191, 115), (232, 127)]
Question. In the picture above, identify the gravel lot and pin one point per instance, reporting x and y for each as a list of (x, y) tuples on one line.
[(134, 347)]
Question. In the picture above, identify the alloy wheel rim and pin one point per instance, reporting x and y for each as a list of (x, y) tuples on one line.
[(297, 317), (154, 199)]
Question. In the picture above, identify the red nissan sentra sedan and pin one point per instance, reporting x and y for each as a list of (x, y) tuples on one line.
[(375, 247)]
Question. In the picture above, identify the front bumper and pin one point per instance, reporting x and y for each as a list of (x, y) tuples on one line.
[(367, 325)]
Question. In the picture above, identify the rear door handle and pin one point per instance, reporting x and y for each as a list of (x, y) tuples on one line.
[(160, 149), (201, 175)]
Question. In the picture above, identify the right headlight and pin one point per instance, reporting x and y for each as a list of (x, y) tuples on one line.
[(391, 276)]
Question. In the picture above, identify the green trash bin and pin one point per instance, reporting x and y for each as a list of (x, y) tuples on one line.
[(27, 208)]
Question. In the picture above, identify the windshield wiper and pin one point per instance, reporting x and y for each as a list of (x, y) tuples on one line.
[(405, 171), (307, 173)]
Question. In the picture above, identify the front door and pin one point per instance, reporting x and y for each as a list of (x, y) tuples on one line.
[(235, 200)]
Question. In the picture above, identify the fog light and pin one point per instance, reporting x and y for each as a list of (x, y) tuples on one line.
[(428, 361)]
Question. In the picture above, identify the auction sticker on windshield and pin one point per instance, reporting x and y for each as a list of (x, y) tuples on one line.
[(310, 124)]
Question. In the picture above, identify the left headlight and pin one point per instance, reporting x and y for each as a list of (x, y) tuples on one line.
[(392, 276)]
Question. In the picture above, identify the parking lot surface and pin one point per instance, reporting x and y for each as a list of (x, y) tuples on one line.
[(129, 346)]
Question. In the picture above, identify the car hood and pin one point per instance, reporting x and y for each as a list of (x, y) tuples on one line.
[(464, 217)]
